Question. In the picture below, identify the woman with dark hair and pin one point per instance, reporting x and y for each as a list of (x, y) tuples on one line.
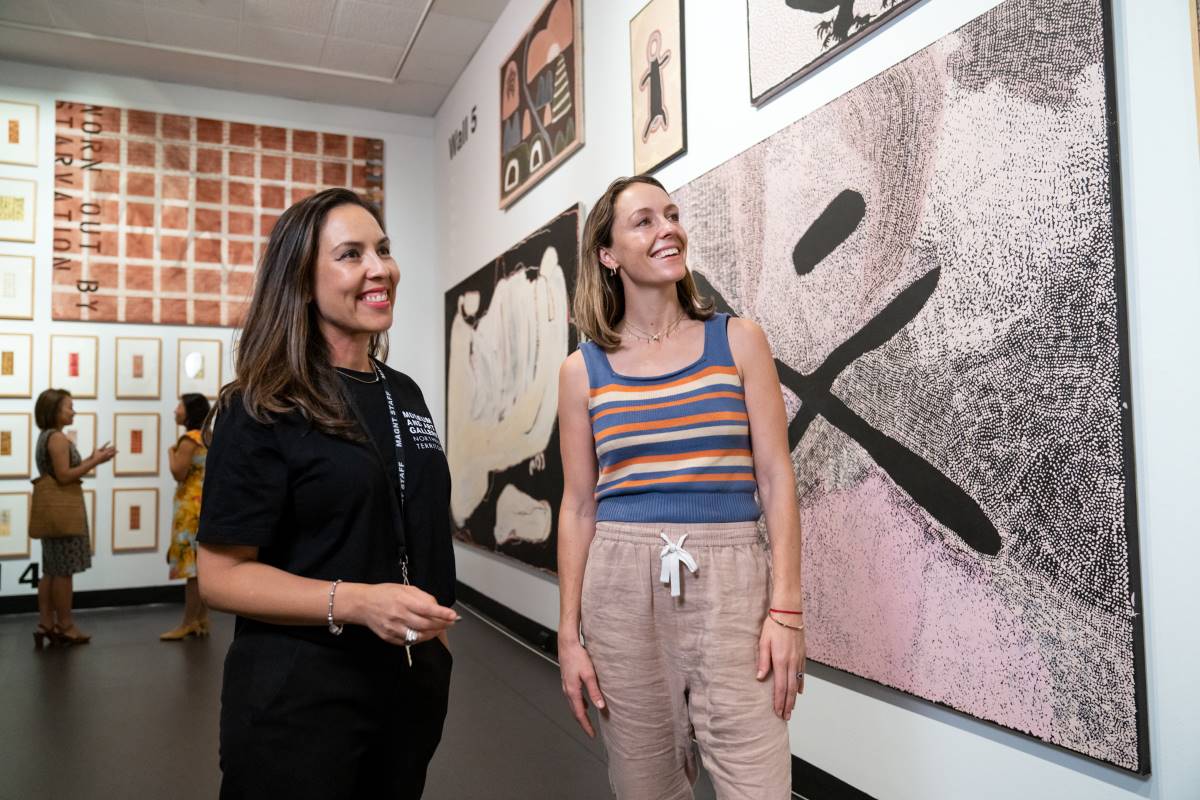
[(674, 444), (186, 459), (325, 526), (64, 553)]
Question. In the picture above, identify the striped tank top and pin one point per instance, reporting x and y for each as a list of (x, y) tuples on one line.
[(674, 447)]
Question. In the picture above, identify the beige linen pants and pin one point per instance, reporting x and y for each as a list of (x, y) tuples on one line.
[(670, 666)]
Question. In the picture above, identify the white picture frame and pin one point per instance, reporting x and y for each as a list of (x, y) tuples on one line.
[(18, 210), (136, 437), (74, 365), (16, 287), (14, 524), (82, 433), (15, 432), (18, 133), (139, 368), (134, 520), (16, 365), (89, 506), (198, 367)]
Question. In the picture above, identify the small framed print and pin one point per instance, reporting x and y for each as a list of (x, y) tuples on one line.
[(16, 364), (14, 524), (139, 367), (198, 367), (82, 433), (16, 287), (18, 198), (18, 133), (89, 506), (14, 445), (136, 438), (73, 365), (134, 520)]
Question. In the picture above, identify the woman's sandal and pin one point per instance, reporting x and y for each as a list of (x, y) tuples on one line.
[(71, 635), (42, 634)]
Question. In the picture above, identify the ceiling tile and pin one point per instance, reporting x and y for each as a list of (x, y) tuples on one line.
[(225, 9), (284, 46), (305, 15), (191, 31), (433, 66), (482, 10), (31, 12), (441, 33), (351, 55), (101, 17), (424, 98), (375, 22)]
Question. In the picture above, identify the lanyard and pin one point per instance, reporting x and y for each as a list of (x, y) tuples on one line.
[(397, 436)]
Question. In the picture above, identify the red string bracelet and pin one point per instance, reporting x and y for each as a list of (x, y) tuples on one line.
[(781, 611)]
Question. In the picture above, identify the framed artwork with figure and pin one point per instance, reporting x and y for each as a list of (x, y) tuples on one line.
[(656, 71)]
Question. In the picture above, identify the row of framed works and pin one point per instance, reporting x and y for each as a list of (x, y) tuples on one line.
[(135, 435), (74, 366), (134, 521)]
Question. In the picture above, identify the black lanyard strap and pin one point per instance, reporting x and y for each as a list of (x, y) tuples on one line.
[(397, 435)]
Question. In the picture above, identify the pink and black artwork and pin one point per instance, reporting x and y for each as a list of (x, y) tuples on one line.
[(936, 259)]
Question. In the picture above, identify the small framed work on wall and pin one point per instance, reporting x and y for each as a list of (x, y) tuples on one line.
[(18, 209), (135, 520), (14, 524), (16, 287), (18, 133), (15, 431), (82, 433), (16, 364), (73, 364), (136, 440), (139, 368), (198, 367), (656, 69), (89, 506)]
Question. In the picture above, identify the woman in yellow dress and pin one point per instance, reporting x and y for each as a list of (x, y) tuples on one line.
[(187, 458)]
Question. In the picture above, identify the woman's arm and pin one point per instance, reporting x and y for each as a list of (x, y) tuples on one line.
[(59, 448), (576, 527), (232, 579), (780, 648), (179, 457)]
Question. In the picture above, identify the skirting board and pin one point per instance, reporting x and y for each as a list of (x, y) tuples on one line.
[(100, 598)]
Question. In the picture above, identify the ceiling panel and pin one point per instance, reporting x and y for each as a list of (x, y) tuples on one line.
[(305, 15), (193, 32)]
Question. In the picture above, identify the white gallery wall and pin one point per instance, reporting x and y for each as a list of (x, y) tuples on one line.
[(883, 742), (408, 178)]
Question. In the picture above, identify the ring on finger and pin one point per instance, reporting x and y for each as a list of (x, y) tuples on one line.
[(410, 635)]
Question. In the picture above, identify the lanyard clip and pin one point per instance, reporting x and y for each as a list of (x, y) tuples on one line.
[(404, 569)]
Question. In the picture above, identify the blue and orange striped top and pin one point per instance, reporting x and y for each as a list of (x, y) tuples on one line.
[(674, 447)]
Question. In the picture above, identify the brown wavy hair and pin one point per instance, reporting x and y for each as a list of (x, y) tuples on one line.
[(45, 410), (599, 302), (281, 359)]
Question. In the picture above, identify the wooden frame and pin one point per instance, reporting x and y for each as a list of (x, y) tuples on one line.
[(18, 442), (89, 507), (124, 538), (138, 375), (137, 440), (18, 210), (86, 435), (649, 157), (19, 120), (1195, 10), (14, 529), (205, 384), (16, 365), (17, 279), (80, 376)]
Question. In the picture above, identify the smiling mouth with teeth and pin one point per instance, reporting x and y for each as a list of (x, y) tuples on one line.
[(666, 252), (380, 296)]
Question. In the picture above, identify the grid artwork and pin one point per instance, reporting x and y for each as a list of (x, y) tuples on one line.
[(160, 218)]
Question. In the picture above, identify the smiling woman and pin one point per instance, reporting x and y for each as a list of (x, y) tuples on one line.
[(325, 527)]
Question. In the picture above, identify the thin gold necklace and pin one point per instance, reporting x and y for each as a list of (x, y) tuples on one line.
[(650, 338), (342, 371)]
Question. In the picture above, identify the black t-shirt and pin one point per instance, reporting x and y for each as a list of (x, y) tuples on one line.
[(318, 505)]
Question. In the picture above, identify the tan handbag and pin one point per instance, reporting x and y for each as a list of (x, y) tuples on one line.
[(57, 509)]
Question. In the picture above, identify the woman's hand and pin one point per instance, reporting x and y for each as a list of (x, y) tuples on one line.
[(102, 454), (578, 680), (781, 654), (392, 609)]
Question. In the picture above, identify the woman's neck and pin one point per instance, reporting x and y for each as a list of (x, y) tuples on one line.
[(349, 350), (652, 311)]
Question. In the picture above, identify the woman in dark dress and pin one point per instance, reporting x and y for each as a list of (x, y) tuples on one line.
[(325, 527)]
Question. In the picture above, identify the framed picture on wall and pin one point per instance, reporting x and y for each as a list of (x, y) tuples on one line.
[(139, 368), (198, 367), (18, 207), (16, 364), (18, 133), (16, 287), (1196, 56), (656, 70), (89, 507), (134, 520), (82, 433), (14, 524), (136, 439), (15, 430), (73, 364)]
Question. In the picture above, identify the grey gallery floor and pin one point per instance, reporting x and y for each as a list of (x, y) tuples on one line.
[(131, 717)]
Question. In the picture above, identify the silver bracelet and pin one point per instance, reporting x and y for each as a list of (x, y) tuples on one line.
[(336, 630)]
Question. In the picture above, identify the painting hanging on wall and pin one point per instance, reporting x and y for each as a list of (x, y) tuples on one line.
[(136, 438), (18, 133), (134, 520), (162, 218), (82, 434), (139, 362), (18, 210), (541, 99), (16, 287), (507, 332), (198, 367), (16, 364), (73, 364), (936, 259), (659, 93), (14, 524), (788, 40), (15, 430)]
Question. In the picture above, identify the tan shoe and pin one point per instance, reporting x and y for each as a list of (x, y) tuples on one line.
[(179, 634)]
